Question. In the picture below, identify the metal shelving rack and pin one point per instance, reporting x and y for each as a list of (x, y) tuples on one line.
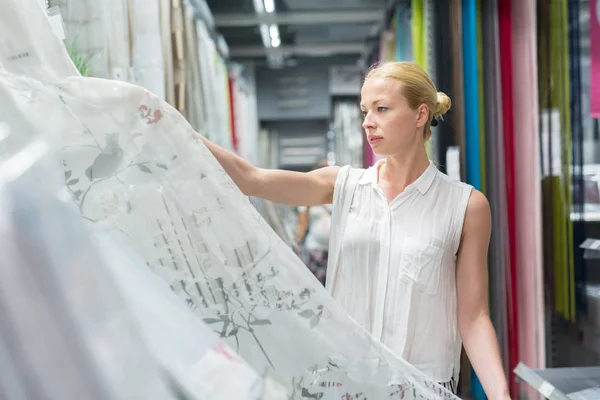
[(562, 383)]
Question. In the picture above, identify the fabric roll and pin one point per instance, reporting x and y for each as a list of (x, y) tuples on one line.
[(196, 109), (481, 98), (146, 47), (443, 62), (404, 42), (458, 100), (530, 283), (506, 64), (179, 56), (430, 38), (472, 114), (577, 161), (167, 50), (417, 30), (117, 39), (471, 81), (498, 255)]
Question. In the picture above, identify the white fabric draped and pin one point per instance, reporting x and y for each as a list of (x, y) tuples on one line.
[(83, 321)]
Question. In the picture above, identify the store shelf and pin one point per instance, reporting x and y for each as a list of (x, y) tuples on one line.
[(562, 383), (593, 216)]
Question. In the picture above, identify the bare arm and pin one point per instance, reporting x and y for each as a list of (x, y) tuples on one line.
[(475, 326), (284, 187)]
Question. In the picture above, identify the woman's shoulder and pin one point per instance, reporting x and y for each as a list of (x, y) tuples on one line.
[(453, 183), (349, 175)]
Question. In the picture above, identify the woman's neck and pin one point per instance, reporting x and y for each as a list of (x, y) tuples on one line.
[(401, 171)]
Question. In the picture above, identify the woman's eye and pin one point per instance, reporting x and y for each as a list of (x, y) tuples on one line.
[(382, 109), (364, 114)]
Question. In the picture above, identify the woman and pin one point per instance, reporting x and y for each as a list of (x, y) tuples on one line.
[(408, 246), (313, 231)]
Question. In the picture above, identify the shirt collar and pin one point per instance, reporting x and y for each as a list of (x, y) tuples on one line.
[(422, 184)]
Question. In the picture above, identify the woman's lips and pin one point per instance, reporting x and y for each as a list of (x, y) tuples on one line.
[(375, 139)]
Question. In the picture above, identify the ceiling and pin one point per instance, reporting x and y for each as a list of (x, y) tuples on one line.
[(308, 29)]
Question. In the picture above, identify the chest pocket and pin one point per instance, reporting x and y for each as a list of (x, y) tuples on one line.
[(421, 264)]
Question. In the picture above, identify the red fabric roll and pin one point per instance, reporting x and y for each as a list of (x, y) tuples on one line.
[(506, 64)]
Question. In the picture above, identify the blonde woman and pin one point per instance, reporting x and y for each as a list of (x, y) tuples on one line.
[(408, 245)]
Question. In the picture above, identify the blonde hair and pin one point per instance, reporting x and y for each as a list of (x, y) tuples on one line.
[(417, 88)]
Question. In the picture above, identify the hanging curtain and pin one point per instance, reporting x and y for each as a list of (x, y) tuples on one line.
[(196, 113), (530, 282), (167, 50), (496, 189), (147, 60)]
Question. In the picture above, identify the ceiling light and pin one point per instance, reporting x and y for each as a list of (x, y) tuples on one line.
[(259, 6), (275, 42), (264, 34), (274, 31), (269, 6)]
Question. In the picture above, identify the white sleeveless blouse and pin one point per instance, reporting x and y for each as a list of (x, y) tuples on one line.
[(392, 268)]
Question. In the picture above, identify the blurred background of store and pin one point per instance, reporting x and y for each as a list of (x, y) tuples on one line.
[(278, 81)]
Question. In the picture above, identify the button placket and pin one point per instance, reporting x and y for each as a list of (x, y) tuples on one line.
[(383, 272)]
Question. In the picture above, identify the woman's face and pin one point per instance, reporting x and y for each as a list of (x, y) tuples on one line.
[(390, 124)]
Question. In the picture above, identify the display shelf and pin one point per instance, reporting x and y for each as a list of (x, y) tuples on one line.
[(582, 383), (592, 249), (588, 216)]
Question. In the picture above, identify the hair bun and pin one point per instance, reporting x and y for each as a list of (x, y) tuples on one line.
[(443, 104)]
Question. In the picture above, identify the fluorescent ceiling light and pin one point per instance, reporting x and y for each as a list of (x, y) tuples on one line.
[(265, 36), (259, 6), (269, 6), (274, 31), (269, 34)]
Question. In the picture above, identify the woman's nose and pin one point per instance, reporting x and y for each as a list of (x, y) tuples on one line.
[(368, 122)]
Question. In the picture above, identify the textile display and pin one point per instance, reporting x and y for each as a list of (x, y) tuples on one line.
[(167, 49), (132, 163), (179, 57), (496, 190), (348, 140), (473, 156), (443, 67), (470, 80), (418, 29), (458, 95), (108, 321), (481, 97), (594, 58), (215, 89), (195, 115), (555, 138), (243, 87), (148, 69), (505, 31), (530, 282), (404, 43), (578, 121)]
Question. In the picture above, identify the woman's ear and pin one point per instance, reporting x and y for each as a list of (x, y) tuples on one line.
[(422, 115)]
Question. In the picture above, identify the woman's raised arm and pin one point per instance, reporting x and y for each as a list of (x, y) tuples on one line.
[(280, 186)]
